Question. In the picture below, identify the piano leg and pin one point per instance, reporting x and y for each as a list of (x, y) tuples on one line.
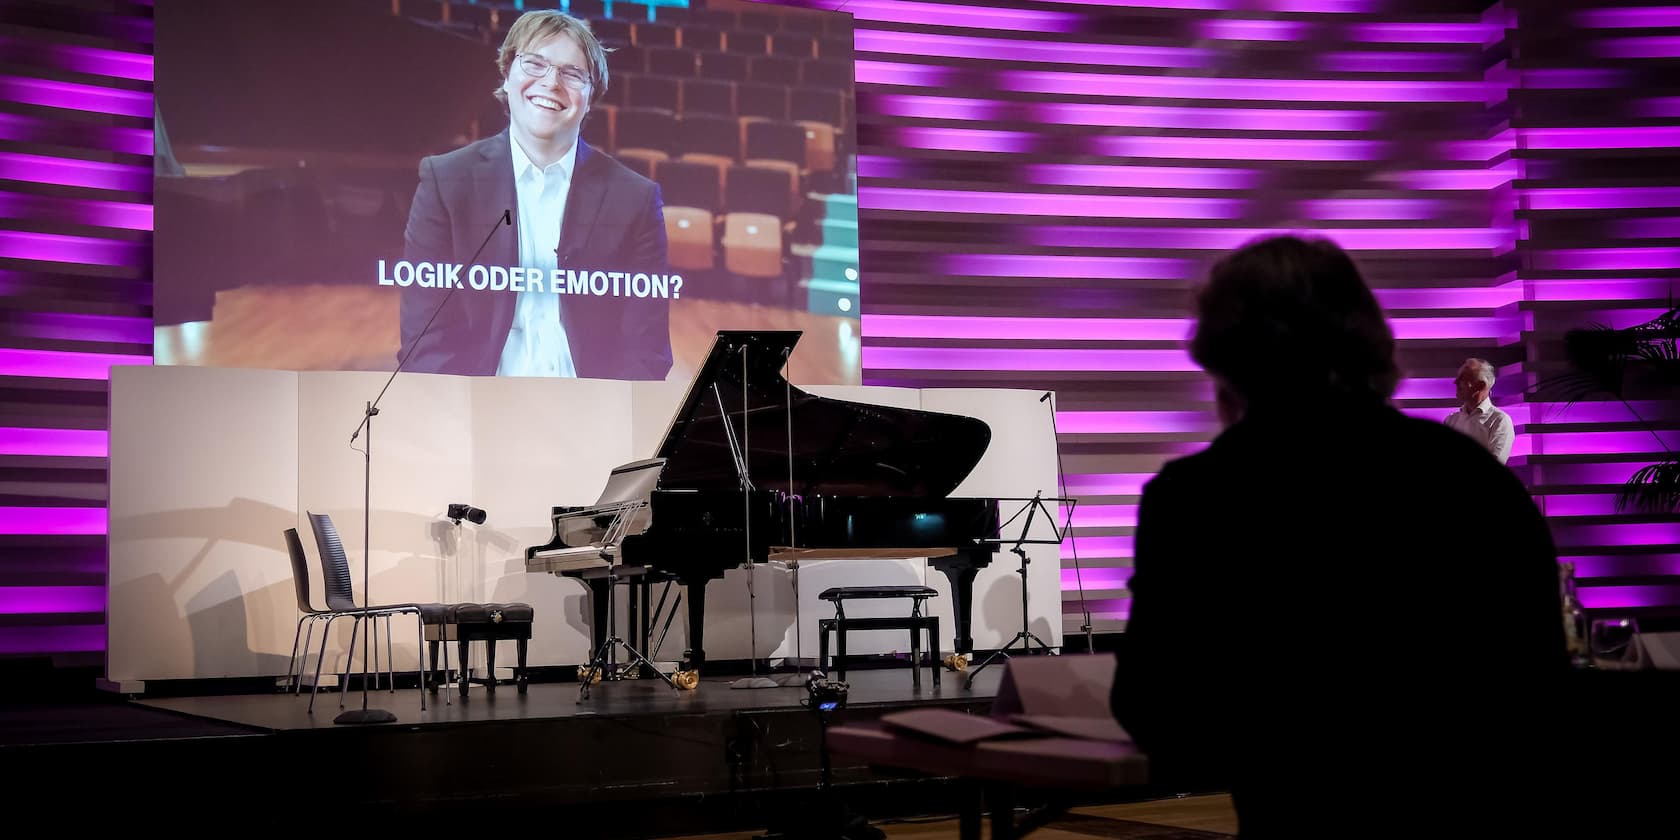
[(599, 592), (960, 571), (695, 657)]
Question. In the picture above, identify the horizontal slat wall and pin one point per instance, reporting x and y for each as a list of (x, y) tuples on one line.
[(75, 270), (1598, 130), (1041, 182)]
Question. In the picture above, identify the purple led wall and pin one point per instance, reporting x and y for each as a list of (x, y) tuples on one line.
[(1039, 185), (1597, 204), (75, 269)]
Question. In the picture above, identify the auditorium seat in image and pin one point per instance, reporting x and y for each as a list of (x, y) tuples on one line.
[(741, 42), (659, 92), (722, 65), (708, 96), (646, 34), (700, 38), (676, 62), (764, 101)]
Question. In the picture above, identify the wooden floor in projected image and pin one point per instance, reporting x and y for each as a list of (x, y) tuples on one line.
[(351, 328)]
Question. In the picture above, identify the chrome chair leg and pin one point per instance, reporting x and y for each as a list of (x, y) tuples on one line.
[(349, 659), (321, 657), (292, 661)]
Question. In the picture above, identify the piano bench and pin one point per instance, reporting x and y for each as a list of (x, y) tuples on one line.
[(488, 623), (915, 622)]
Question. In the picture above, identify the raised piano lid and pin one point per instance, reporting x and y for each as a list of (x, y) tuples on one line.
[(839, 448)]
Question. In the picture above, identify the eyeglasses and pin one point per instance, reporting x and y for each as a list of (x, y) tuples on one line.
[(537, 67)]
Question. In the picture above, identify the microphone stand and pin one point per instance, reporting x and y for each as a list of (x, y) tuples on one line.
[(365, 714), (1067, 527)]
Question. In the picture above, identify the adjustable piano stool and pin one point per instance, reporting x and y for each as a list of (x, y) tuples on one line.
[(488, 623), (915, 622)]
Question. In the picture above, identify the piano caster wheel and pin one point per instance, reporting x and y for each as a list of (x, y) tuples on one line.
[(686, 680), (523, 682), (583, 671), (629, 672), (956, 662)]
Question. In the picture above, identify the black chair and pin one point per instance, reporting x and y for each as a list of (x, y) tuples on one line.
[(793, 45), (820, 106), (341, 601), (308, 613), (652, 34), (832, 48), (757, 189), (742, 42), (646, 129), (773, 70), (699, 38), (768, 102), (822, 72), (688, 184), (713, 135), (758, 21), (724, 66), (659, 92), (784, 141)]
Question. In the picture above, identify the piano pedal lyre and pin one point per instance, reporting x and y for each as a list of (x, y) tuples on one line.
[(956, 662), (686, 680), (583, 671)]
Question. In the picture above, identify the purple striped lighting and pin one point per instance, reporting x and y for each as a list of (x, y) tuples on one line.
[(1183, 5), (1107, 609), (1049, 204), (1107, 484), (1033, 265), (945, 14), (1618, 534), (1236, 29), (1177, 87), (1491, 297), (1435, 415), (1576, 78), (75, 97), (1608, 411), (52, 521), (1425, 389), (1093, 547), (1655, 227), (1606, 443), (57, 364), (1133, 423), (1657, 107), (1650, 46), (1478, 150), (963, 139), (1103, 577), (40, 169), (1024, 359), (1371, 209), (1396, 62), (1628, 597), (1644, 288), (1606, 259), (1457, 179), (67, 326), (1318, 6), (1580, 504), (1624, 565), (1101, 516), (26, 129), (39, 639), (1606, 473), (1646, 17), (1422, 329), (1600, 198), (91, 60), (1626, 137), (1026, 329), (112, 214), (1006, 49), (1241, 148), (1223, 239), (1142, 177), (1123, 116), (37, 600), (1424, 33), (79, 250), (73, 443)]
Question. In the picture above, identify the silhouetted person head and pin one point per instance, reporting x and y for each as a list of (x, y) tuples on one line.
[(1286, 323)]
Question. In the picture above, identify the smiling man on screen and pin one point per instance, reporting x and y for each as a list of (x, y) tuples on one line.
[(573, 207)]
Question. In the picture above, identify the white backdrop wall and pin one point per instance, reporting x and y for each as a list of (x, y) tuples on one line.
[(209, 465)]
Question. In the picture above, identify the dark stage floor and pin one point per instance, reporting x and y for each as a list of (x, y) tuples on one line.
[(868, 690)]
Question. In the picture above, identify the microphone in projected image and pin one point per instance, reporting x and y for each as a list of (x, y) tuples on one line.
[(365, 714)]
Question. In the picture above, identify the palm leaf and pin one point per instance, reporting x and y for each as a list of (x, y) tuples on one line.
[(1655, 488)]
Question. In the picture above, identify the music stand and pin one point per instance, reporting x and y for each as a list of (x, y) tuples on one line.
[(1031, 508), (604, 658)]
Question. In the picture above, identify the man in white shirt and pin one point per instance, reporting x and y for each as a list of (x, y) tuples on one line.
[(567, 205), (1477, 415)]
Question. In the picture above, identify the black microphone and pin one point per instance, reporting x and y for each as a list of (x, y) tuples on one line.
[(373, 408)]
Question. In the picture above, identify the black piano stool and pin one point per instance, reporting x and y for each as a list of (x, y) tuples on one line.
[(488, 623), (915, 622)]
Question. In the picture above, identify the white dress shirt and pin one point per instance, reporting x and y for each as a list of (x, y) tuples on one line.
[(537, 346), (1488, 425)]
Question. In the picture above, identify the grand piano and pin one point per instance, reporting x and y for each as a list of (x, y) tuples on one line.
[(756, 470)]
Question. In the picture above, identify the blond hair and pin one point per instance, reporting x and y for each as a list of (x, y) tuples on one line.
[(538, 26)]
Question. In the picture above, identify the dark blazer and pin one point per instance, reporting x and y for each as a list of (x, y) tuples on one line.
[(614, 221), (1350, 619)]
